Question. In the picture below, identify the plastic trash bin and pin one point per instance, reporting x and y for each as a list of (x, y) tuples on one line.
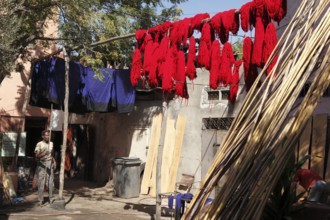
[(126, 177)]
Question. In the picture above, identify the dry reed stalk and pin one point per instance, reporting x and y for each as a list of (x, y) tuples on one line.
[(246, 189)]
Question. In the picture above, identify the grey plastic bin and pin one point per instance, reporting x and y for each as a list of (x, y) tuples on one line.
[(126, 177)]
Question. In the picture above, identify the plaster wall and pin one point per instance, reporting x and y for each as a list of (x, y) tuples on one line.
[(113, 139)]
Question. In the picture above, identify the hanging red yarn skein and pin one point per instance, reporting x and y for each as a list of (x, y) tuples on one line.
[(258, 42), (170, 68), (139, 36), (250, 70), (227, 60), (186, 30), (205, 47), (229, 21), (273, 7), (282, 11), (234, 82), (260, 7), (196, 21), (216, 23), (269, 45), (136, 67), (245, 12), (215, 64), (191, 69), (148, 51), (154, 65), (180, 76), (247, 54)]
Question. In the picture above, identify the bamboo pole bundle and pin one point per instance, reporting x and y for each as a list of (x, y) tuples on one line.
[(262, 136)]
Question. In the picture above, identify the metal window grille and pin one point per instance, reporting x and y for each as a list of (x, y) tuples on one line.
[(218, 123)]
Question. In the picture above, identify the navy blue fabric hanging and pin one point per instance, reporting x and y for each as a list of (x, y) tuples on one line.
[(125, 91)]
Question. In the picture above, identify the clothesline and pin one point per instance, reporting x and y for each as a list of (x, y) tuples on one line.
[(133, 34), (119, 38)]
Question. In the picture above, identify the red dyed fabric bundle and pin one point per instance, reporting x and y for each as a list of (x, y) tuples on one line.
[(154, 65), (258, 42), (273, 7), (148, 52), (169, 68), (175, 37), (139, 36), (165, 27), (234, 82), (282, 11), (229, 22), (163, 47), (260, 7), (245, 12), (216, 22), (205, 47), (203, 55), (247, 54), (269, 45), (227, 60), (215, 64), (235, 25), (191, 69), (185, 26), (250, 70), (136, 67), (196, 21), (206, 35), (154, 32), (180, 76)]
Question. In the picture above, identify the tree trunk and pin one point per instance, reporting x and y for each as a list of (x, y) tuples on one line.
[(65, 124)]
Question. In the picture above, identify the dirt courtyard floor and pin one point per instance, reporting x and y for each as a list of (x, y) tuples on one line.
[(84, 200)]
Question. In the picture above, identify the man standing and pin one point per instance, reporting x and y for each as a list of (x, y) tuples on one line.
[(45, 166)]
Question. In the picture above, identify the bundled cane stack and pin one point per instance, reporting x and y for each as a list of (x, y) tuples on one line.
[(263, 135)]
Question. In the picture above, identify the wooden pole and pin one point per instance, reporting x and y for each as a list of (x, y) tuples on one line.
[(65, 124), (159, 163)]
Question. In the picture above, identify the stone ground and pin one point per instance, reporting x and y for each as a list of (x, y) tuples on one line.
[(84, 200)]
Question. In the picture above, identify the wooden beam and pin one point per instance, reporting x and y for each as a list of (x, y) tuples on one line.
[(167, 153), (153, 144), (173, 170)]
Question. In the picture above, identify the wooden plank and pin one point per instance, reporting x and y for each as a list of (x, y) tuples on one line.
[(148, 166), (167, 153), (180, 126), (152, 182), (319, 137), (151, 154), (304, 142)]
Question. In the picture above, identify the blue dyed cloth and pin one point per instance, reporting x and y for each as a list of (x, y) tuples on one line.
[(125, 91), (99, 96), (41, 85), (86, 93)]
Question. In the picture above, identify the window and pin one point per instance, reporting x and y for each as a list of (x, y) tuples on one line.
[(213, 95), (225, 94)]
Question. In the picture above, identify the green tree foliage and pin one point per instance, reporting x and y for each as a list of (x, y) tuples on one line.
[(238, 48), (81, 22)]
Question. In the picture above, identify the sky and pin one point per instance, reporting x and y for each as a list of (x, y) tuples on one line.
[(192, 7)]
